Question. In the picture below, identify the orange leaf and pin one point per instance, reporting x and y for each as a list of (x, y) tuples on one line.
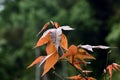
[(109, 68), (113, 66), (50, 48), (36, 61), (44, 27), (56, 24), (71, 51), (50, 62), (82, 54), (43, 40), (64, 42)]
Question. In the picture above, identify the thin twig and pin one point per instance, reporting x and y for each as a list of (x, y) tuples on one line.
[(82, 74), (58, 75), (107, 58)]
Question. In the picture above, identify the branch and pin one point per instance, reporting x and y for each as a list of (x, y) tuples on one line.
[(55, 73), (82, 74)]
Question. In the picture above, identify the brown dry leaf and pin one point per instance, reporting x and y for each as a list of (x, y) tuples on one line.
[(50, 62), (82, 54), (43, 40), (64, 42), (56, 24), (36, 61), (44, 27), (50, 48), (111, 67)]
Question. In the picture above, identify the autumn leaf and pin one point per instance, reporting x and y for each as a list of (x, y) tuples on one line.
[(111, 67), (50, 48), (44, 27), (71, 51), (74, 53), (40, 59), (56, 24), (43, 40), (46, 57), (64, 42), (36, 61), (50, 62), (55, 35), (82, 54)]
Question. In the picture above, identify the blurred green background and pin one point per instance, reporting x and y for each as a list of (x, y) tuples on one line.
[(97, 22)]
